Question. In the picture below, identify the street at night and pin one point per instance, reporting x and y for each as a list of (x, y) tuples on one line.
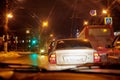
[(59, 39)]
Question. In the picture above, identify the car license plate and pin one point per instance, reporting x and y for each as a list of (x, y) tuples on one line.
[(75, 59)]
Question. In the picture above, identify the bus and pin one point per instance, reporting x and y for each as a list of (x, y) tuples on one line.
[(99, 35)]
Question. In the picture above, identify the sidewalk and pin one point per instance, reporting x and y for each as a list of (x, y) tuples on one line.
[(10, 54)]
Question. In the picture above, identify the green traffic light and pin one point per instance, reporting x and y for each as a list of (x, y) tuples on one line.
[(34, 41)]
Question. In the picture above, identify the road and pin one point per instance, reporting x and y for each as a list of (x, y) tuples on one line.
[(63, 76), (34, 59)]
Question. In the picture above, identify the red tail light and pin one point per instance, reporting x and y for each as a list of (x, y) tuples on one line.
[(52, 58), (96, 57)]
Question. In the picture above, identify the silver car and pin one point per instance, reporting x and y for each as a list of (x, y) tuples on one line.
[(69, 53)]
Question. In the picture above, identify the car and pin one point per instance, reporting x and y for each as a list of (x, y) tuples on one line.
[(71, 52), (113, 54), (28, 28)]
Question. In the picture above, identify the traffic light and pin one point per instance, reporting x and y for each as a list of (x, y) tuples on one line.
[(34, 41), (33, 45)]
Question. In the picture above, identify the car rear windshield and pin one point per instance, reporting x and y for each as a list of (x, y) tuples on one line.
[(64, 44)]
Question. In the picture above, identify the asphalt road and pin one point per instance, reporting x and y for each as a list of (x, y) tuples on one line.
[(63, 76), (33, 59)]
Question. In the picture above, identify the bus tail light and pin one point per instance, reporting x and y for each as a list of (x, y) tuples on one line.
[(52, 58), (96, 57)]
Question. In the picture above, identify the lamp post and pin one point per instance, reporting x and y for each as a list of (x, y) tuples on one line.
[(7, 16), (43, 33), (6, 27)]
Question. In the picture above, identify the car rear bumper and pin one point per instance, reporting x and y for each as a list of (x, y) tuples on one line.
[(59, 67), (63, 67)]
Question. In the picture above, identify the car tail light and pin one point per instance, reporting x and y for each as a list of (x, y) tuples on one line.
[(52, 58), (96, 57)]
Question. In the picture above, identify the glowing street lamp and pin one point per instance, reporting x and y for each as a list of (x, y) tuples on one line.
[(51, 35), (104, 11), (45, 24), (27, 31), (9, 15), (107, 12), (85, 23)]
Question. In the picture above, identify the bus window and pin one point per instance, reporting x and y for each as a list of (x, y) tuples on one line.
[(99, 32)]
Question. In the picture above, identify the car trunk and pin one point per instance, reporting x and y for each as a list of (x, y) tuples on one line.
[(75, 56)]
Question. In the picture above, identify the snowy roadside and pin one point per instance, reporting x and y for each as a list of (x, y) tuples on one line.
[(11, 54)]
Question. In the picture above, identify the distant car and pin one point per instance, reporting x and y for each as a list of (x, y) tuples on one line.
[(69, 53), (114, 51)]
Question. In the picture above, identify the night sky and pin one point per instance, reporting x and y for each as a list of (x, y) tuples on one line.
[(64, 16)]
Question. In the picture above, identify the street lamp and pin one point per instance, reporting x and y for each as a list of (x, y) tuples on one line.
[(104, 11), (51, 35), (9, 15), (45, 24), (85, 23), (27, 31)]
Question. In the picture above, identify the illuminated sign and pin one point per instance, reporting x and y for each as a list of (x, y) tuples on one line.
[(93, 12), (108, 20)]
